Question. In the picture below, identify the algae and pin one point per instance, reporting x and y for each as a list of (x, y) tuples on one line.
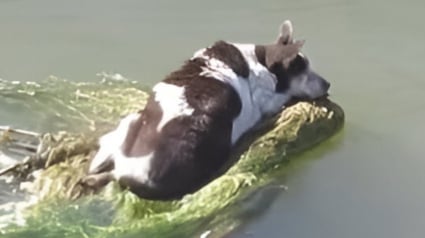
[(66, 208)]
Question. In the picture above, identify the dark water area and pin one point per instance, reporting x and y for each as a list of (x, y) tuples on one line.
[(368, 181)]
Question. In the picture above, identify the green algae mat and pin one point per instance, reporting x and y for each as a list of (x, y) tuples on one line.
[(51, 201)]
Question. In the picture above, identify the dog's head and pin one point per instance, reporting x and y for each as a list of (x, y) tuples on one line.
[(291, 67)]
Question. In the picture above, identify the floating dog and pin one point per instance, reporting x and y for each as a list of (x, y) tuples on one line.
[(198, 113)]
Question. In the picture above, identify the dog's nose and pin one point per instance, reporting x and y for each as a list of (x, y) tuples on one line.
[(326, 85)]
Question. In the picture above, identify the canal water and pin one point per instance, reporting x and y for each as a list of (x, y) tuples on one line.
[(368, 181)]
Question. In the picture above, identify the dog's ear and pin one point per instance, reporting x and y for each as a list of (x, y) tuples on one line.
[(285, 33), (283, 54), (297, 45), (292, 51)]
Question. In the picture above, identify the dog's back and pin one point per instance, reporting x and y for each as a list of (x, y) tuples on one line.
[(185, 126)]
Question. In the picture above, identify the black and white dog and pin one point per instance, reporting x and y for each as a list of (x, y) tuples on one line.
[(197, 113)]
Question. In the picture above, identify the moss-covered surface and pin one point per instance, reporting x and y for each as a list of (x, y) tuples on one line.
[(66, 208)]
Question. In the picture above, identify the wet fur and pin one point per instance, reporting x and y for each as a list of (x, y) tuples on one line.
[(198, 113)]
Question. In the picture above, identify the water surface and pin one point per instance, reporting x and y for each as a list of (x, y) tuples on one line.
[(366, 182)]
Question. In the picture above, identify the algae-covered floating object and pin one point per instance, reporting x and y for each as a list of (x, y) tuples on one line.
[(67, 207)]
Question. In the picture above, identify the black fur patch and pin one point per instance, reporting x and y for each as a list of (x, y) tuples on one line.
[(298, 65), (231, 56), (189, 150), (142, 137), (205, 94), (277, 69)]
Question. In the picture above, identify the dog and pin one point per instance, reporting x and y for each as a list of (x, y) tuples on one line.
[(196, 115)]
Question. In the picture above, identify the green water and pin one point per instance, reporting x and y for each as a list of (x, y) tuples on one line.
[(366, 182)]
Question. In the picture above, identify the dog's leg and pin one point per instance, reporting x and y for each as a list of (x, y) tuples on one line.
[(103, 160), (101, 164), (97, 180)]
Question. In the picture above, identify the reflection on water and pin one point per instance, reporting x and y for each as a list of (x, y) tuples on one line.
[(369, 185)]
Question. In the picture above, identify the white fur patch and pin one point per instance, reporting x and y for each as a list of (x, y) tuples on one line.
[(257, 92), (111, 147), (112, 142), (104, 153), (135, 167), (172, 101)]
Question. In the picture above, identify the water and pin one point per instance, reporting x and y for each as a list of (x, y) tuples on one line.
[(366, 182)]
